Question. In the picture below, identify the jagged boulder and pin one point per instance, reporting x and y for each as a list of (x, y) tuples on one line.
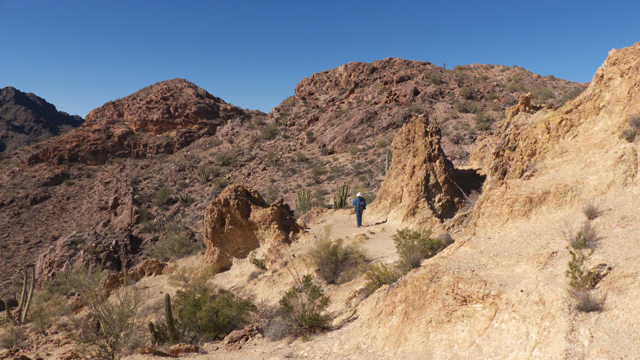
[(419, 186), (239, 221)]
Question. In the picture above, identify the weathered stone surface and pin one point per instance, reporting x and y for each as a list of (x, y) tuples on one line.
[(179, 349), (239, 221), (150, 267), (419, 186), (111, 251)]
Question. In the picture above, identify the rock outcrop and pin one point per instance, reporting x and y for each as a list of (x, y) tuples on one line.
[(159, 119), (26, 119), (419, 185), (111, 251), (163, 107), (239, 221)]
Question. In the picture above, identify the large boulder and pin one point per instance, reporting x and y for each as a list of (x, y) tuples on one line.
[(239, 221), (419, 186)]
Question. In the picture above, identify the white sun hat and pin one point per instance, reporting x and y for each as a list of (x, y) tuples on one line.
[(359, 194)]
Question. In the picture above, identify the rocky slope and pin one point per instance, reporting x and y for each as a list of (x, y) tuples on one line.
[(26, 119), (166, 151)]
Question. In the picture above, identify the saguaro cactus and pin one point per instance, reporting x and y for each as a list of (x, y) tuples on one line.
[(171, 326), (25, 299)]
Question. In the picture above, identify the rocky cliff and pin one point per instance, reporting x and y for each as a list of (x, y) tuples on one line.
[(419, 186), (26, 119)]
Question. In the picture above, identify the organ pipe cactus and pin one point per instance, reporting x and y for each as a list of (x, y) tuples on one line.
[(342, 195), (171, 326), (25, 299), (387, 162)]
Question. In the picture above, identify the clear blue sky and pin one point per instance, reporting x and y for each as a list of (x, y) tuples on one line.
[(81, 54)]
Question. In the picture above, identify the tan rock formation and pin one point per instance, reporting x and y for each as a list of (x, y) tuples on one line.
[(419, 186), (239, 221)]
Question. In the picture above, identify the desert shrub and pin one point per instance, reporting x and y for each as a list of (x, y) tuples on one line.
[(381, 274), (301, 157), (118, 326), (47, 307), (586, 237), (586, 300), (415, 245), (334, 262), (483, 121), (491, 96), (177, 243), (543, 94), (317, 172), (353, 149), (226, 158), (204, 173), (468, 92), (185, 200), (551, 77), (582, 245), (591, 210), (435, 78), (304, 306), (12, 336), (513, 87), (260, 263), (633, 126), (570, 95), (164, 199), (310, 137), (207, 312), (267, 132), (629, 135)]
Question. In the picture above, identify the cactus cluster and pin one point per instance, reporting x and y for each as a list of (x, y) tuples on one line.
[(341, 197), (162, 333), (25, 298), (303, 202)]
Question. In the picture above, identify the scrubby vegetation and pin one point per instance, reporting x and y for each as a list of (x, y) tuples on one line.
[(335, 263), (305, 306), (582, 280)]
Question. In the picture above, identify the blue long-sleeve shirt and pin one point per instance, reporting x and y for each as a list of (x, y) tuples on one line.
[(356, 201)]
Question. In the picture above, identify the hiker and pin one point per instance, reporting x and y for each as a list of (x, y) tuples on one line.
[(359, 204)]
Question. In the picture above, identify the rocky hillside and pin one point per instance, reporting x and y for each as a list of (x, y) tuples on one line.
[(154, 160), (26, 119)]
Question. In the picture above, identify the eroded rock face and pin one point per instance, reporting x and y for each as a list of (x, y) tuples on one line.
[(159, 119), (239, 221), (419, 186), (111, 251)]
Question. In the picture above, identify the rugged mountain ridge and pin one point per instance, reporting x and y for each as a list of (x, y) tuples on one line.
[(175, 138), (26, 119)]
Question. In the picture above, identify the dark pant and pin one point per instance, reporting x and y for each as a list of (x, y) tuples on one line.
[(359, 217)]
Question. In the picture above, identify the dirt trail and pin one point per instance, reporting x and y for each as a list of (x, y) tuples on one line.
[(375, 238)]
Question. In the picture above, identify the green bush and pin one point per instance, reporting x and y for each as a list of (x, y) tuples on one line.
[(260, 263), (334, 262), (304, 307), (415, 245), (164, 198), (468, 92), (301, 157), (206, 312), (570, 95), (381, 274), (267, 132), (226, 158), (435, 78), (633, 126), (543, 94)]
